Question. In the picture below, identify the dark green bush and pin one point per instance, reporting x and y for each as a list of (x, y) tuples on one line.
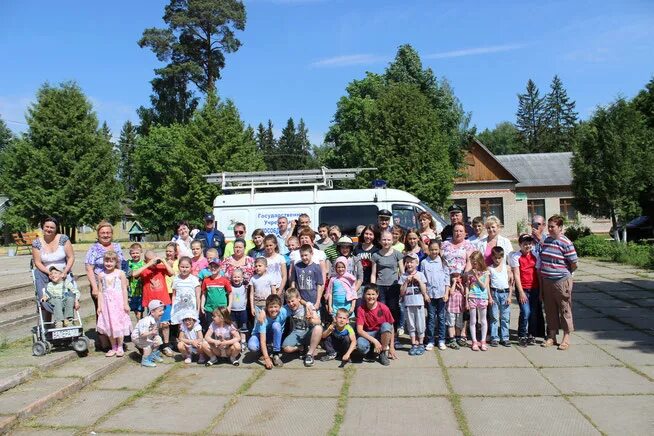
[(576, 231), (592, 245), (639, 255)]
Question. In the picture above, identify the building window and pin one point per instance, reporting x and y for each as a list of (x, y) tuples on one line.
[(492, 206), (568, 211), (463, 204), (535, 207), (348, 217)]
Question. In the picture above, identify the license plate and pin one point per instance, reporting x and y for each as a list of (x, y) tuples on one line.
[(60, 334)]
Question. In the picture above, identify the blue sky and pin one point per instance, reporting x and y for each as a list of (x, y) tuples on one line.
[(298, 55)]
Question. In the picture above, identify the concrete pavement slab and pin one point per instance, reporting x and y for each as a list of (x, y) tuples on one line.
[(490, 381), (299, 382), (632, 295), (180, 414), (576, 355), (621, 338), (34, 394), (620, 415), (82, 409), (592, 324), (289, 416), (580, 312), (202, 380), (642, 283), (632, 355), (649, 370), (644, 302), (11, 377), (22, 357), (397, 416), (542, 416), (640, 322), (608, 302), (427, 360), (609, 380), (131, 377), (397, 382), (84, 367), (621, 312), (26, 431), (611, 285), (499, 357)]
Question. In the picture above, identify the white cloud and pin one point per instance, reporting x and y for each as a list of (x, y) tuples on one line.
[(348, 60), (474, 51)]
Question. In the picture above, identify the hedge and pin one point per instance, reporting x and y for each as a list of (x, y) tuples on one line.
[(640, 255)]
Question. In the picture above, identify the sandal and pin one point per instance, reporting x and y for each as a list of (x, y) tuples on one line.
[(563, 346), (548, 343), (483, 347), (475, 346), (111, 353), (120, 352)]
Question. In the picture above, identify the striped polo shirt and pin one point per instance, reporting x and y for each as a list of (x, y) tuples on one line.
[(556, 256)]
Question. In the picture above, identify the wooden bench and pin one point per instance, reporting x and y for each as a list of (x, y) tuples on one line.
[(23, 240)]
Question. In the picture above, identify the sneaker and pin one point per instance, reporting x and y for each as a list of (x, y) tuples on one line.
[(523, 342), (494, 343), (187, 360), (531, 340), (212, 361), (202, 360), (398, 345), (370, 357), (430, 346), (462, 342), (475, 346), (244, 347), (328, 357), (441, 346), (453, 345), (277, 360), (400, 331), (383, 358), (168, 352), (236, 361), (111, 353), (120, 352), (420, 350), (156, 356), (308, 360), (505, 343), (412, 351), (147, 363), (483, 346)]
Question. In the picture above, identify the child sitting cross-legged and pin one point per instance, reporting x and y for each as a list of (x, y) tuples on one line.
[(306, 329), (222, 338), (339, 338)]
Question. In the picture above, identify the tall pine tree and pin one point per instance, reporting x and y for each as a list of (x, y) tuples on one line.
[(126, 148), (304, 146), (5, 135), (267, 145), (561, 119), (288, 149), (531, 120)]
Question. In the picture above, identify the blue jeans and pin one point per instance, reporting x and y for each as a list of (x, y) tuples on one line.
[(436, 309), (273, 336), (363, 344), (500, 313), (531, 320)]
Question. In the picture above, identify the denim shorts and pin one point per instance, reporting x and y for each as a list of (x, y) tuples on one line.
[(297, 337), (240, 318), (168, 308), (136, 304)]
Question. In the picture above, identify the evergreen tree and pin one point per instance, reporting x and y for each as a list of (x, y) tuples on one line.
[(531, 119), (172, 102), (126, 148), (289, 155), (72, 167), (6, 136), (267, 146), (304, 158), (607, 163), (644, 103), (561, 119), (105, 131), (197, 36), (503, 139)]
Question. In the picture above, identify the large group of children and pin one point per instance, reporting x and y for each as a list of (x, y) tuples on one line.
[(347, 299)]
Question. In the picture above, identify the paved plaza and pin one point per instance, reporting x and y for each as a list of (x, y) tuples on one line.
[(604, 384)]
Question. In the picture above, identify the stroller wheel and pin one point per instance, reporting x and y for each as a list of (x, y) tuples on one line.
[(80, 345), (39, 348)]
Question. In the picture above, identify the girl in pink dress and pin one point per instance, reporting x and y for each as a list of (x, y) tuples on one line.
[(113, 309)]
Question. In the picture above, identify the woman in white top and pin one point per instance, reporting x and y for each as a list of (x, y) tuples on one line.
[(183, 240), (493, 239)]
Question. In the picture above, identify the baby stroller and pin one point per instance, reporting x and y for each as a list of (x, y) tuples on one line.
[(46, 335)]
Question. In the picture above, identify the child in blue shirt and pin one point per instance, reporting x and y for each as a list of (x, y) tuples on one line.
[(438, 284), (268, 328)]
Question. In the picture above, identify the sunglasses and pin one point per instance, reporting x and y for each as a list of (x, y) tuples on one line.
[(536, 225), (238, 232)]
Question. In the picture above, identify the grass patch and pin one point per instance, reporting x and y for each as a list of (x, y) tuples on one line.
[(455, 399), (342, 401)]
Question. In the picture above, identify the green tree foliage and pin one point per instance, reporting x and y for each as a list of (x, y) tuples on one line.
[(293, 147), (64, 166), (560, 117), (503, 139), (170, 164), (398, 133), (267, 146), (531, 118), (452, 120), (126, 148), (609, 162), (197, 36), (6, 136), (172, 101), (403, 124), (644, 103)]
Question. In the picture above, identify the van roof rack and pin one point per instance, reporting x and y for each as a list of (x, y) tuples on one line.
[(320, 178)]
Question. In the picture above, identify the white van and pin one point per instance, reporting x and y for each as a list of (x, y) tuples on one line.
[(347, 208)]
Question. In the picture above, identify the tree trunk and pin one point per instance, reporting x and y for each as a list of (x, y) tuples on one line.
[(73, 235), (614, 221)]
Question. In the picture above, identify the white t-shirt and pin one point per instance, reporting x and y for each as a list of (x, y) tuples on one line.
[(185, 303), (262, 286), (275, 267), (193, 333), (239, 298), (499, 279)]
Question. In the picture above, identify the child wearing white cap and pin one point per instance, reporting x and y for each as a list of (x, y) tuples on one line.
[(145, 335)]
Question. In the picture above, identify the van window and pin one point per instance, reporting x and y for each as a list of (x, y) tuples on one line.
[(405, 216), (348, 217)]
